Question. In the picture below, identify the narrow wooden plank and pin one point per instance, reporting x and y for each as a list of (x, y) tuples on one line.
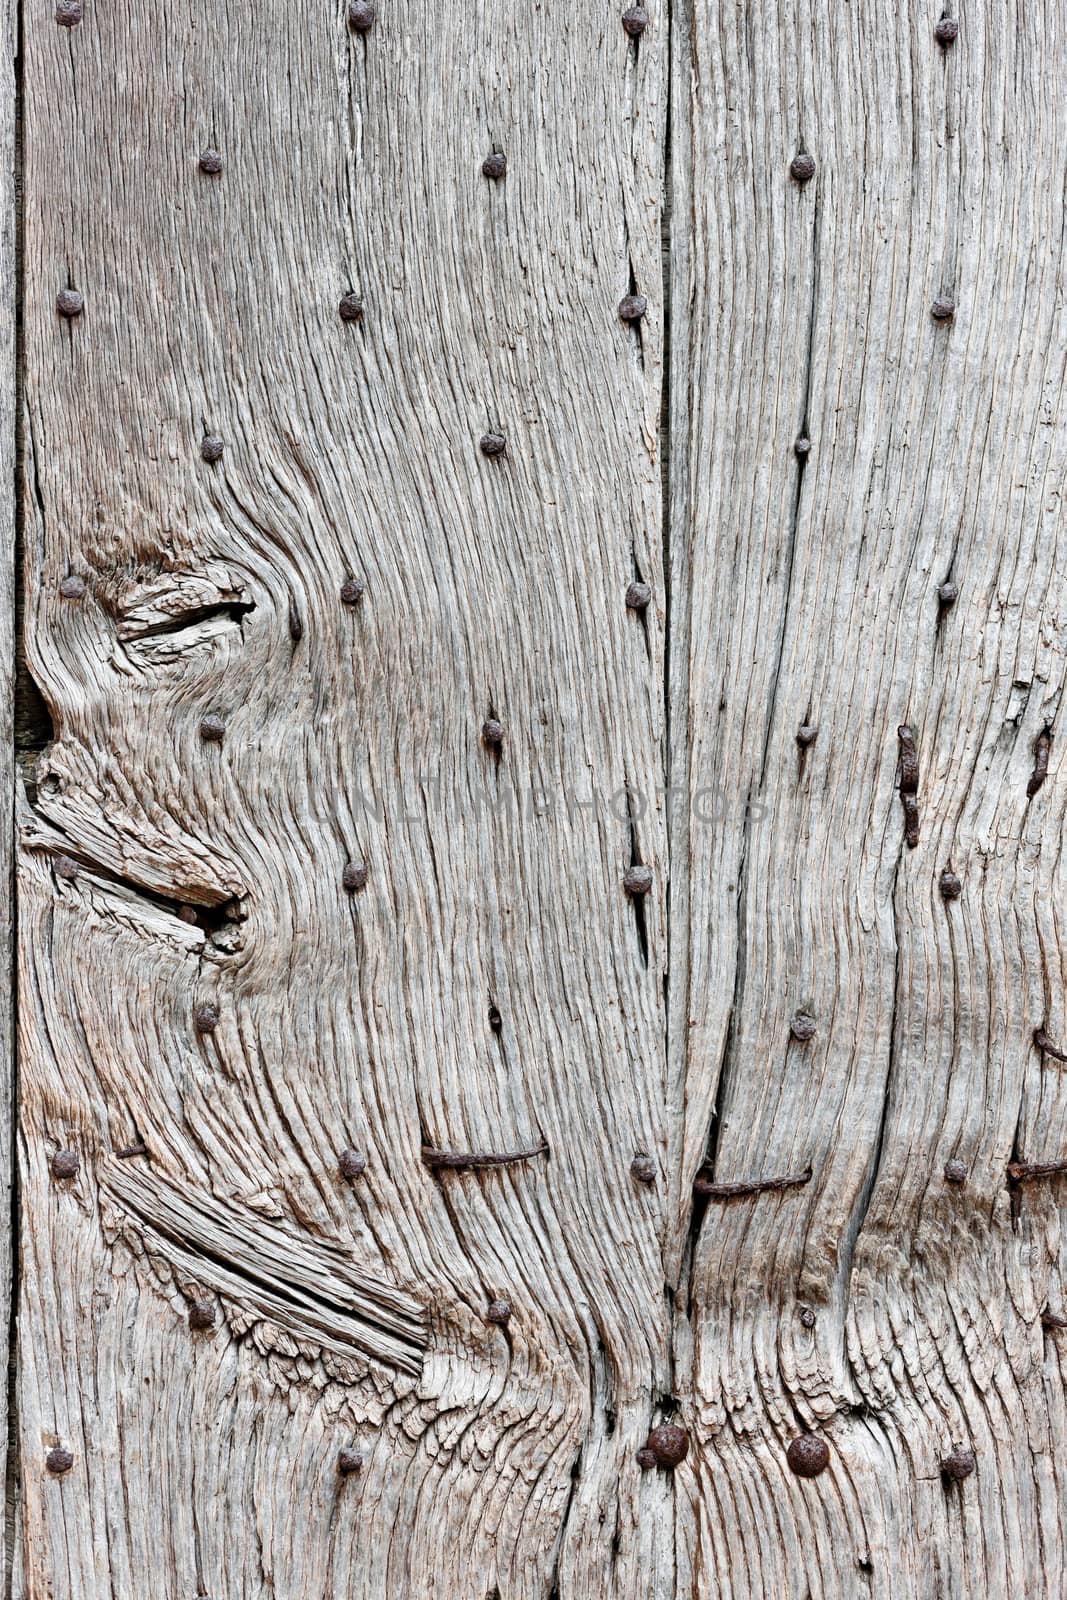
[(8, 298), (491, 983), (937, 452)]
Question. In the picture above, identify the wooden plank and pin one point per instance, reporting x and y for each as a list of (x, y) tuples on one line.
[(8, 535), (493, 1460), (895, 1315)]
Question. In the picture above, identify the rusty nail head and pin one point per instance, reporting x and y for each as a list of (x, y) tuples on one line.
[(70, 302), (66, 867), (495, 165), (955, 1172), (947, 594), (807, 1318), (669, 1445), (59, 1460), (959, 1465), (206, 1018), (361, 15), (802, 168), (806, 735), (808, 1455), (646, 1458), (638, 597), (498, 1311), (68, 13), (946, 31), (801, 446), (65, 1164), (348, 1461), (352, 1163), (354, 875), (210, 162), (802, 1026), (637, 880), (632, 307), (492, 444), (211, 447), (72, 587), (188, 914), (950, 886), (643, 1169), (201, 1315), (352, 591), (635, 21), (212, 729), (493, 732), (350, 307), (943, 309)]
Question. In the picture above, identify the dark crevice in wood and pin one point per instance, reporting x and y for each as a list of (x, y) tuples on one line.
[(235, 610), (576, 1472), (637, 903)]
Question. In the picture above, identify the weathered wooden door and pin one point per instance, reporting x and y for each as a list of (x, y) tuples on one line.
[(539, 799)]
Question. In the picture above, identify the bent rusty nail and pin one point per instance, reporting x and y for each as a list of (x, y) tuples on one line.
[(708, 1190), (462, 1160), (1046, 1046)]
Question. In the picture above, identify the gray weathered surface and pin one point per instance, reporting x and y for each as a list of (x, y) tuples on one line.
[(492, 987)]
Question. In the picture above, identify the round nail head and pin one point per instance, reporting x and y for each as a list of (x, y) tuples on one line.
[(201, 1315), (65, 867), (801, 446), (493, 732), (206, 1018), (348, 1461), (638, 597), (637, 880), (802, 168), (351, 1164), (210, 162), (498, 1311), (806, 735), (492, 444), (959, 1465), (635, 21), (72, 587), (70, 302), (212, 729), (188, 914), (350, 307), (643, 1169), (68, 13), (955, 1172), (65, 1164), (950, 886), (354, 875), (807, 1318), (211, 447), (632, 307), (495, 165), (59, 1461), (947, 595), (669, 1445), (943, 309), (352, 591), (361, 15), (496, 1021), (646, 1458), (808, 1455), (946, 31), (803, 1027)]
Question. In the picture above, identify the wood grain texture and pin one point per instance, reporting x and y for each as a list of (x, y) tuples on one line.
[(354, 1156), (347, 1313), (894, 1314)]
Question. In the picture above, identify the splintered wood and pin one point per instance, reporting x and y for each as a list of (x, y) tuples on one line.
[(535, 910)]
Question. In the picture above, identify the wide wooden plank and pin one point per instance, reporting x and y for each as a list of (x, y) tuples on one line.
[(211, 1309), (896, 1315)]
